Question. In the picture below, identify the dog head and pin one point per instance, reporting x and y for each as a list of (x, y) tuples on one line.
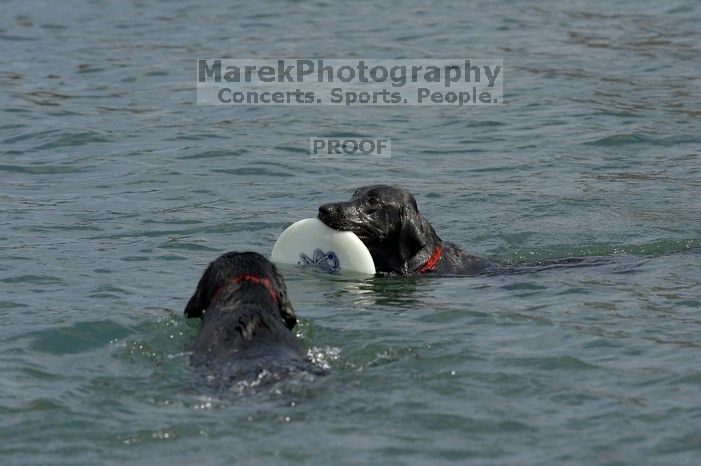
[(236, 267), (387, 221)]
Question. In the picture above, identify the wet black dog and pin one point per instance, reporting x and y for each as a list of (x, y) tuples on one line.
[(399, 238), (247, 320)]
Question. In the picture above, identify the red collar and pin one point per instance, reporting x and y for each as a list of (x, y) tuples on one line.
[(252, 279), (432, 261)]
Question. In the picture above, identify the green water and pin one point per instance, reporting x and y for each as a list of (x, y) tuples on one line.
[(116, 191)]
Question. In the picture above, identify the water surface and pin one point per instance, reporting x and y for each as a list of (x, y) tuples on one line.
[(117, 191)]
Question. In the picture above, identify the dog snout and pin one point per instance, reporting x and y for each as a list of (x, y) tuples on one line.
[(327, 209)]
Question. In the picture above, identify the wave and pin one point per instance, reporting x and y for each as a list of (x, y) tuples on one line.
[(656, 248)]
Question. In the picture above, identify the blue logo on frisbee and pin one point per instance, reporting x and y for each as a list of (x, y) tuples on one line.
[(326, 261)]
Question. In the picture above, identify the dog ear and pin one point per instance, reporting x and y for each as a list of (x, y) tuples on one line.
[(414, 232), (288, 313), (203, 294), (284, 305), (410, 241)]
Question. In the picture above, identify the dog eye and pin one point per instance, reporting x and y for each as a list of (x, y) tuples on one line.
[(372, 200)]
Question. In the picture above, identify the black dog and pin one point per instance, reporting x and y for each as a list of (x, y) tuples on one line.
[(399, 238), (246, 321)]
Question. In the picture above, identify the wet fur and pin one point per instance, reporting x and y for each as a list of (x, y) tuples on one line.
[(244, 331), (400, 239)]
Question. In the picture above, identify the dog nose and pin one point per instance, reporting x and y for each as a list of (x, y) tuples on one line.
[(326, 209)]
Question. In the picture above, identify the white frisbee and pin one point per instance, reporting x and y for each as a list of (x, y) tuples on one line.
[(309, 242)]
